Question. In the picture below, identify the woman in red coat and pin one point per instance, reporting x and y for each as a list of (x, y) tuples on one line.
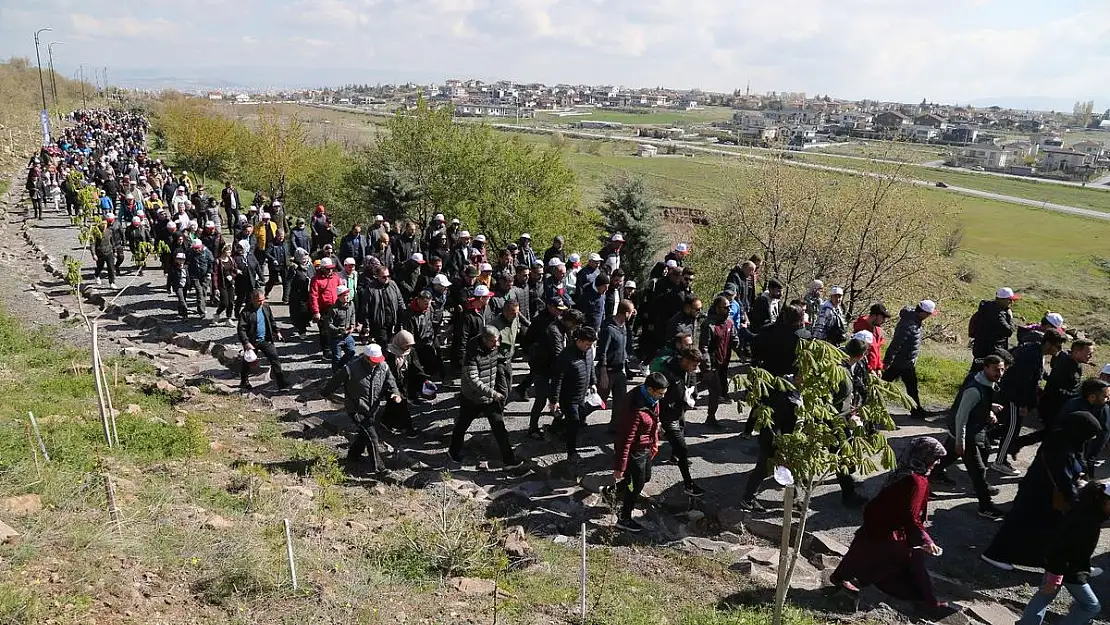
[(890, 548)]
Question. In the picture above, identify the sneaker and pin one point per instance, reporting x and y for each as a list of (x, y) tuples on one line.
[(1005, 566), (693, 490), (992, 490), (1005, 468), (714, 423), (98, 282), (629, 525), (752, 505), (992, 513), (112, 285)]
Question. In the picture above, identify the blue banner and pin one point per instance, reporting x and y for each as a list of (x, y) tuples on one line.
[(44, 117)]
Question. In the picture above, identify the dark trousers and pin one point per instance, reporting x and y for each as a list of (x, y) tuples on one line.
[(270, 352), (543, 397), (105, 262), (200, 292), (636, 475), (672, 432), (429, 359), (37, 205), (908, 374), (717, 381), (762, 466), (495, 414), (367, 438), (179, 291), (574, 417), (397, 416), (227, 301), (974, 457), (242, 296), (275, 279), (1010, 433), (616, 382)]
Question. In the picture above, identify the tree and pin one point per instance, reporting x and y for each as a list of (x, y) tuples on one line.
[(629, 208), (204, 142), (824, 441), (866, 233), (278, 153), (1081, 113), (392, 196)]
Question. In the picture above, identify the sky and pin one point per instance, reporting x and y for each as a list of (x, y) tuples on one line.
[(942, 50)]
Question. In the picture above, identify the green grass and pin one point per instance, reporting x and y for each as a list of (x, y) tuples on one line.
[(886, 150), (648, 117), (4, 186)]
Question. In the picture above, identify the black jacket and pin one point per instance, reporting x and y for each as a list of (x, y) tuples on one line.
[(353, 246), (764, 313), (1063, 384), (776, 350), (200, 264), (366, 386), (338, 319), (421, 325), (674, 404), (406, 276), (994, 329), (1073, 541), (467, 325), (1022, 380), (483, 375), (592, 305), (573, 376), (248, 320), (548, 347), (612, 345), (906, 344), (380, 307), (404, 247)]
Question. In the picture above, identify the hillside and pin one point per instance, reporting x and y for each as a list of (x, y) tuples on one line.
[(22, 101)]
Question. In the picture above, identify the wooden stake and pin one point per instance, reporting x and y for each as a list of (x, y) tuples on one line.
[(582, 579), (784, 552), (34, 453), (38, 435), (115, 381), (289, 553), (100, 390), (113, 510)]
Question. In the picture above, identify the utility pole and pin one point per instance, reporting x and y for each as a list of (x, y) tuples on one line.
[(38, 59), (53, 78), (84, 102)]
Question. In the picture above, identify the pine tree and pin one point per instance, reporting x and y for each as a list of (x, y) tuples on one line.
[(629, 208)]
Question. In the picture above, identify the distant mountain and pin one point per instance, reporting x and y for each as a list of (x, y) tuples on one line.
[(1031, 103)]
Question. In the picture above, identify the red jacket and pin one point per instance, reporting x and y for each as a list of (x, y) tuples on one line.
[(637, 427), (875, 350), (321, 292)]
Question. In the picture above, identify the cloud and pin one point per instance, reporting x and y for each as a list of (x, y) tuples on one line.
[(84, 25)]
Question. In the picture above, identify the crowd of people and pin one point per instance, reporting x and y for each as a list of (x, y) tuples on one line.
[(402, 309)]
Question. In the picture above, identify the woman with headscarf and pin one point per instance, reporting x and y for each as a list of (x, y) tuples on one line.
[(410, 378), (890, 547), (298, 282), (1049, 489)]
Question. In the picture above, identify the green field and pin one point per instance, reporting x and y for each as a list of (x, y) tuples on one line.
[(650, 116), (887, 150)]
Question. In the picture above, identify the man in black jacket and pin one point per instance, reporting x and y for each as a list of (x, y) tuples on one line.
[(572, 379), (419, 319), (200, 263), (1018, 391), (766, 309), (229, 199), (354, 245), (257, 333), (672, 411), (993, 324), (613, 347), (1092, 398), (367, 384), (900, 361), (546, 348), (485, 386), (591, 301), (1062, 384), (380, 304)]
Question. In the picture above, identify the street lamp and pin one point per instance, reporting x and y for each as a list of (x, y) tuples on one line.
[(38, 59), (53, 79)]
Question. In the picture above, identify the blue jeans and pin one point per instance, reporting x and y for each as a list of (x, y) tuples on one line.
[(342, 350), (1083, 610)]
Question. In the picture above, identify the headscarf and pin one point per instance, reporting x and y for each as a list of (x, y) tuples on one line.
[(1074, 429), (402, 342), (917, 458)]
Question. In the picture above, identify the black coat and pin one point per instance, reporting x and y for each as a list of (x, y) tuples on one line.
[(366, 386), (906, 343), (994, 329), (572, 377), (248, 320)]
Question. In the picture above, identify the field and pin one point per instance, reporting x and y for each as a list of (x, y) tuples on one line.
[(886, 150), (651, 116)]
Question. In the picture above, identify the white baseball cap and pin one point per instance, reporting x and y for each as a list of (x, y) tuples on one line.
[(481, 238), (276, 203), (373, 353), (672, 264), (265, 215), (349, 261), (485, 267), (341, 289), (629, 284), (438, 217), (928, 305), (865, 336), (618, 237), (481, 291), (681, 248), (441, 280), (836, 290), (1056, 320), (324, 262), (455, 220), (379, 218), (526, 236), (595, 257), (554, 262), (244, 244), (418, 258), (465, 234), (1105, 370), (209, 224), (180, 256), (574, 258), (1006, 293)]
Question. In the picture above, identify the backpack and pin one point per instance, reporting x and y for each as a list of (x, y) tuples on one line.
[(975, 322)]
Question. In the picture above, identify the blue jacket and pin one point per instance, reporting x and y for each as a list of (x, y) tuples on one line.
[(592, 305)]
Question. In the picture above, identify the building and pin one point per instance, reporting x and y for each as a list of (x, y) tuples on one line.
[(466, 109), (891, 120), (923, 134), (987, 156), (1090, 148), (645, 150), (1054, 159), (931, 120)]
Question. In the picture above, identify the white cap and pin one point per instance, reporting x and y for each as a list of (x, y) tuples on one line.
[(438, 217), (617, 238), (209, 224), (441, 280), (1056, 320), (265, 215), (836, 290), (484, 267), (554, 262), (136, 219), (481, 238), (379, 218), (629, 284), (173, 226), (349, 261), (1105, 370), (574, 258), (181, 187), (928, 305), (681, 248), (180, 256), (417, 258), (865, 336), (1005, 293), (373, 353), (526, 236), (129, 196), (465, 234), (595, 257), (276, 203), (197, 244), (455, 220), (244, 245), (324, 262), (671, 264), (341, 289), (481, 291)]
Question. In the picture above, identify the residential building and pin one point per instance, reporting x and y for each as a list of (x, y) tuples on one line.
[(923, 134), (931, 120), (892, 120), (646, 150), (1091, 148), (1054, 159), (987, 156)]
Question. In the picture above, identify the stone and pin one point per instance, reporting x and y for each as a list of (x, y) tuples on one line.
[(991, 612), (21, 505), (516, 546), (765, 556), (357, 526), (595, 482), (217, 522), (134, 409), (743, 567), (731, 537), (706, 544), (766, 529), (823, 542), (825, 561), (731, 517), (472, 585), (7, 534)]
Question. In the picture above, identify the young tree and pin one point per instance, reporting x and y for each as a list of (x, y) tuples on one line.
[(278, 153), (825, 441), (203, 141), (629, 208)]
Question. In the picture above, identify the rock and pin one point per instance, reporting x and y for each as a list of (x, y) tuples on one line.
[(595, 482), (706, 544), (731, 537), (765, 556), (957, 618), (991, 612), (766, 529), (21, 505), (823, 542), (694, 515), (303, 491), (825, 561), (134, 409), (217, 522), (357, 526), (743, 567), (191, 392), (731, 517), (516, 546), (7, 534), (472, 585)]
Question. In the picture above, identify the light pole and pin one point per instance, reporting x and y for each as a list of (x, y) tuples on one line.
[(53, 79), (38, 59), (84, 102)]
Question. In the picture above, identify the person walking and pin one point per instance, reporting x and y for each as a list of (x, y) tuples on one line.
[(485, 387), (339, 322), (410, 378), (367, 385), (992, 325), (1062, 384), (572, 379), (1019, 389), (636, 444), (258, 333), (900, 361), (672, 412), (224, 271), (873, 322), (718, 339), (200, 263), (831, 324), (613, 353), (297, 284)]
